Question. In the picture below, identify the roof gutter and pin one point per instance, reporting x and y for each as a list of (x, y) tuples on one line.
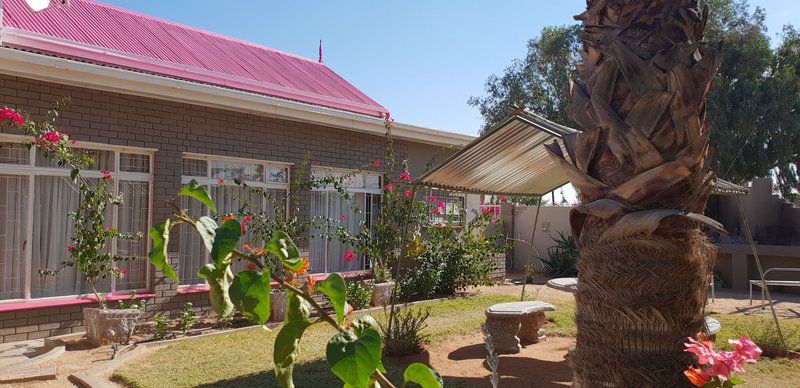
[(53, 69)]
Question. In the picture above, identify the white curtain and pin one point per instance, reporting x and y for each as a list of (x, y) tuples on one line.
[(53, 229), (13, 226), (330, 250), (193, 253), (132, 218)]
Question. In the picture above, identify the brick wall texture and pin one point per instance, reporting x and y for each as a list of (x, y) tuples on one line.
[(174, 128)]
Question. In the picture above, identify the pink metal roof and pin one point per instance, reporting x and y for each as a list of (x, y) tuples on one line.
[(102, 34)]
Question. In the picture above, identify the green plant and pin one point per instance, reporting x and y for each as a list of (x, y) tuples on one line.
[(561, 258), (160, 326), (353, 353), (359, 294), (133, 303), (418, 283), (187, 318), (765, 335), (406, 336)]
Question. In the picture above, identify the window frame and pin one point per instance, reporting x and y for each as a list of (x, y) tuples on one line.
[(31, 171), (208, 181)]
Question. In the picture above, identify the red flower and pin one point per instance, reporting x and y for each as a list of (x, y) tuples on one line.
[(697, 377), (377, 164), (125, 272), (107, 175), (437, 212), (409, 193), (404, 177), (220, 180), (389, 187), (503, 198), (244, 228), (10, 115), (109, 228), (349, 256), (342, 217), (248, 219), (440, 204), (52, 137), (432, 198), (74, 142), (70, 248)]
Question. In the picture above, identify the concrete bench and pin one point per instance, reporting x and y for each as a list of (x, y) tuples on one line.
[(783, 283), (511, 322)]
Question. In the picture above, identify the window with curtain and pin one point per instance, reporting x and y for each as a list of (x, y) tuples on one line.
[(326, 253), (36, 196), (219, 176)]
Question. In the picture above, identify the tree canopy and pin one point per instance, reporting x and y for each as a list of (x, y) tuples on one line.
[(753, 108)]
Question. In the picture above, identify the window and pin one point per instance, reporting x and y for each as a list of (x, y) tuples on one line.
[(453, 206), (36, 196), (219, 176), (327, 254)]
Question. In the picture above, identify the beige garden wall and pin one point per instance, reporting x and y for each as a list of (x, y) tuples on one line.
[(519, 223)]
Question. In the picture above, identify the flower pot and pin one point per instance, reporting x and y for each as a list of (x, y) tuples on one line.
[(277, 306), (106, 326), (382, 293)]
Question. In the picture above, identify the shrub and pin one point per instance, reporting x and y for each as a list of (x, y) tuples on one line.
[(160, 326), (359, 294), (418, 283), (561, 258), (405, 337), (187, 318)]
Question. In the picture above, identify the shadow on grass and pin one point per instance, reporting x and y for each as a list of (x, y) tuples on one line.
[(309, 374)]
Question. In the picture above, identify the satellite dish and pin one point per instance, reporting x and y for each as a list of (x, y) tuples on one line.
[(37, 5)]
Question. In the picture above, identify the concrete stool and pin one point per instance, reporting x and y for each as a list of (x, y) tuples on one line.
[(512, 321)]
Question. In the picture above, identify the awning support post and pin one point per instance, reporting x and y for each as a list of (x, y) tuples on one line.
[(526, 267)]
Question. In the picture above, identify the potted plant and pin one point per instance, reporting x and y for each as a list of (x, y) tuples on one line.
[(88, 251)]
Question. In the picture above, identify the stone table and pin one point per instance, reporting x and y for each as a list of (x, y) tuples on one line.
[(511, 322), (564, 284)]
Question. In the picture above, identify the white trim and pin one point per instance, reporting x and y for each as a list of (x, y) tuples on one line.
[(60, 70)]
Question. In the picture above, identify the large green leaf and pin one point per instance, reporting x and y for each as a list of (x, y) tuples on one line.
[(354, 358), (250, 294), (282, 246), (198, 192), (420, 374), (219, 287), (336, 290), (287, 342), (226, 238), (158, 256), (207, 228), (364, 322)]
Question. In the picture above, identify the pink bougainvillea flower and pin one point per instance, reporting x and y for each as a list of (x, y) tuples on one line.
[(377, 164), (389, 187), (503, 198), (485, 210), (746, 348), (432, 198), (404, 177), (349, 256), (437, 212), (248, 219), (220, 180), (70, 248), (343, 217), (724, 364), (244, 228), (704, 350), (440, 204), (74, 142), (125, 272), (697, 377), (52, 137), (10, 115), (409, 193)]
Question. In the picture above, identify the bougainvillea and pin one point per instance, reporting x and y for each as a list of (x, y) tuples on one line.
[(716, 366)]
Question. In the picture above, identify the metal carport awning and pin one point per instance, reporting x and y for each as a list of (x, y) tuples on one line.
[(510, 159)]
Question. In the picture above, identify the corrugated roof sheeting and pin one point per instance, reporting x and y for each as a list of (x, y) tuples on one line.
[(107, 35), (509, 159)]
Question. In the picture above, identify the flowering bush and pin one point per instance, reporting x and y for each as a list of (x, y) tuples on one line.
[(715, 367), (88, 250)]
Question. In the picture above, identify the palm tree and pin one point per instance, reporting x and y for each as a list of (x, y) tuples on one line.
[(640, 166)]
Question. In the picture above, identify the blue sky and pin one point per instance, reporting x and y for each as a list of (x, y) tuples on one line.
[(420, 59)]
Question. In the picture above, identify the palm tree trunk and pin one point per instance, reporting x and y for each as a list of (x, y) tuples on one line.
[(640, 168)]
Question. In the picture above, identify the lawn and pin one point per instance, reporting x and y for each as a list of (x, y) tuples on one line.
[(245, 359)]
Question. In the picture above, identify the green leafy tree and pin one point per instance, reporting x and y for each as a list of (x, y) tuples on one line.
[(753, 108)]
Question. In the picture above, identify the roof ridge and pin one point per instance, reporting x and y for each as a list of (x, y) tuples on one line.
[(198, 30)]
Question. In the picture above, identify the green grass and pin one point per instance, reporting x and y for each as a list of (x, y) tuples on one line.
[(245, 359)]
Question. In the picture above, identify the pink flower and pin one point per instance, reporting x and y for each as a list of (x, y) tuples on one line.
[(109, 228), (440, 204), (389, 187), (746, 348), (349, 256), (725, 364), (106, 173), (437, 212), (125, 272), (408, 193), (220, 180), (248, 219), (404, 177), (244, 228), (343, 217), (70, 248), (74, 142), (52, 137), (432, 198), (10, 115), (377, 164), (485, 210), (703, 349), (503, 198)]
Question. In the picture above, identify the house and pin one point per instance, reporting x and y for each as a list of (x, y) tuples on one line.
[(162, 104)]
